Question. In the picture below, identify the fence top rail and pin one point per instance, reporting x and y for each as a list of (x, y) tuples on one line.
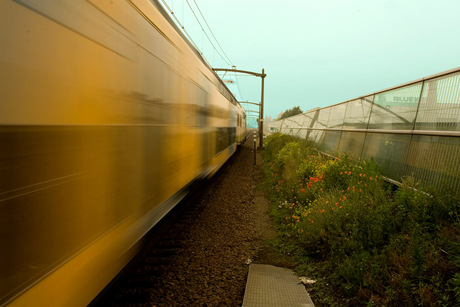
[(385, 131), (441, 74)]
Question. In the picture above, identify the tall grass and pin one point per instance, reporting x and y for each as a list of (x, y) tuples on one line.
[(374, 244)]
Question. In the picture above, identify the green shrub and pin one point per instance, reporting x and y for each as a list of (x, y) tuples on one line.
[(342, 220), (274, 143)]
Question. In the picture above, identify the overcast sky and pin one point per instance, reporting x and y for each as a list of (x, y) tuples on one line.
[(322, 52)]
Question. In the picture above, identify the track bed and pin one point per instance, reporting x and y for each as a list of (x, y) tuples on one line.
[(198, 255)]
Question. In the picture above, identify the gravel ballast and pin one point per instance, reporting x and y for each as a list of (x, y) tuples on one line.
[(213, 246)]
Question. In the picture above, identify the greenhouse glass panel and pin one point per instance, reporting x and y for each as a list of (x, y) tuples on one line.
[(337, 114), (352, 143), (440, 105), (395, 109), (435, 161), (357, 113), (389, 151)]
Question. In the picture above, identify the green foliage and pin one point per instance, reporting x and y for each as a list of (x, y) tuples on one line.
[(275, 143), (291, 112), (340, 219)]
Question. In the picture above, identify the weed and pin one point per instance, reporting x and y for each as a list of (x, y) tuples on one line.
[(375, 245)]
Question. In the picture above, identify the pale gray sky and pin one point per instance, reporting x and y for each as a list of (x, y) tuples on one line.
[(318, 53)]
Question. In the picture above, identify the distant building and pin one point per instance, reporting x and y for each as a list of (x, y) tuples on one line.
[(267, 119)]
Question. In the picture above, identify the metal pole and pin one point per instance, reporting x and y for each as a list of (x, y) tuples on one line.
[(261, 114), (254, 137), (261, 106)]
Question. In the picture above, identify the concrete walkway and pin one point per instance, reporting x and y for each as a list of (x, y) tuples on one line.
[(269, 286)]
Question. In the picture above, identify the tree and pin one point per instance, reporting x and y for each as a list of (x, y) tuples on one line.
[(291, 112)]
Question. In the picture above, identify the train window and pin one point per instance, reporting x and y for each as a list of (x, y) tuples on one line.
[(221, 139), (225, 137)]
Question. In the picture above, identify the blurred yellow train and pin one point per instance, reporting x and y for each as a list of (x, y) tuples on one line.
[(107, 114)]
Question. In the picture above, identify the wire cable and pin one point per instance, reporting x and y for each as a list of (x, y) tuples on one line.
[(182, 26), (193, 12), (212, 32)]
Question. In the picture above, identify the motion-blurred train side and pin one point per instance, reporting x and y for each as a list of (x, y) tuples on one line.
[(107, 115)]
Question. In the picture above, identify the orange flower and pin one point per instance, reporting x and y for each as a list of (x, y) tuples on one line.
[(341, 173), (340, 207), (327, 201)]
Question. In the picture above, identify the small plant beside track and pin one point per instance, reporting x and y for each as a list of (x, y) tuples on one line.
[(371, 243)]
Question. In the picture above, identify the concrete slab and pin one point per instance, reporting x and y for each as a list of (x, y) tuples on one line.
[(269, 286)]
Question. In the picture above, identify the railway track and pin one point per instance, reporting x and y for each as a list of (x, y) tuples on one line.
[(197, 254)]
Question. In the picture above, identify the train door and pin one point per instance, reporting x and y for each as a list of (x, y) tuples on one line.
[(232, 129)]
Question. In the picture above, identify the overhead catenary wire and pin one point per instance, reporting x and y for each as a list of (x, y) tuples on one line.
[(182, 26), (212, 33), (193, 12)]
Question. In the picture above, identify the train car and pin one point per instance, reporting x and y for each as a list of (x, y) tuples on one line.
[(107, 115)]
